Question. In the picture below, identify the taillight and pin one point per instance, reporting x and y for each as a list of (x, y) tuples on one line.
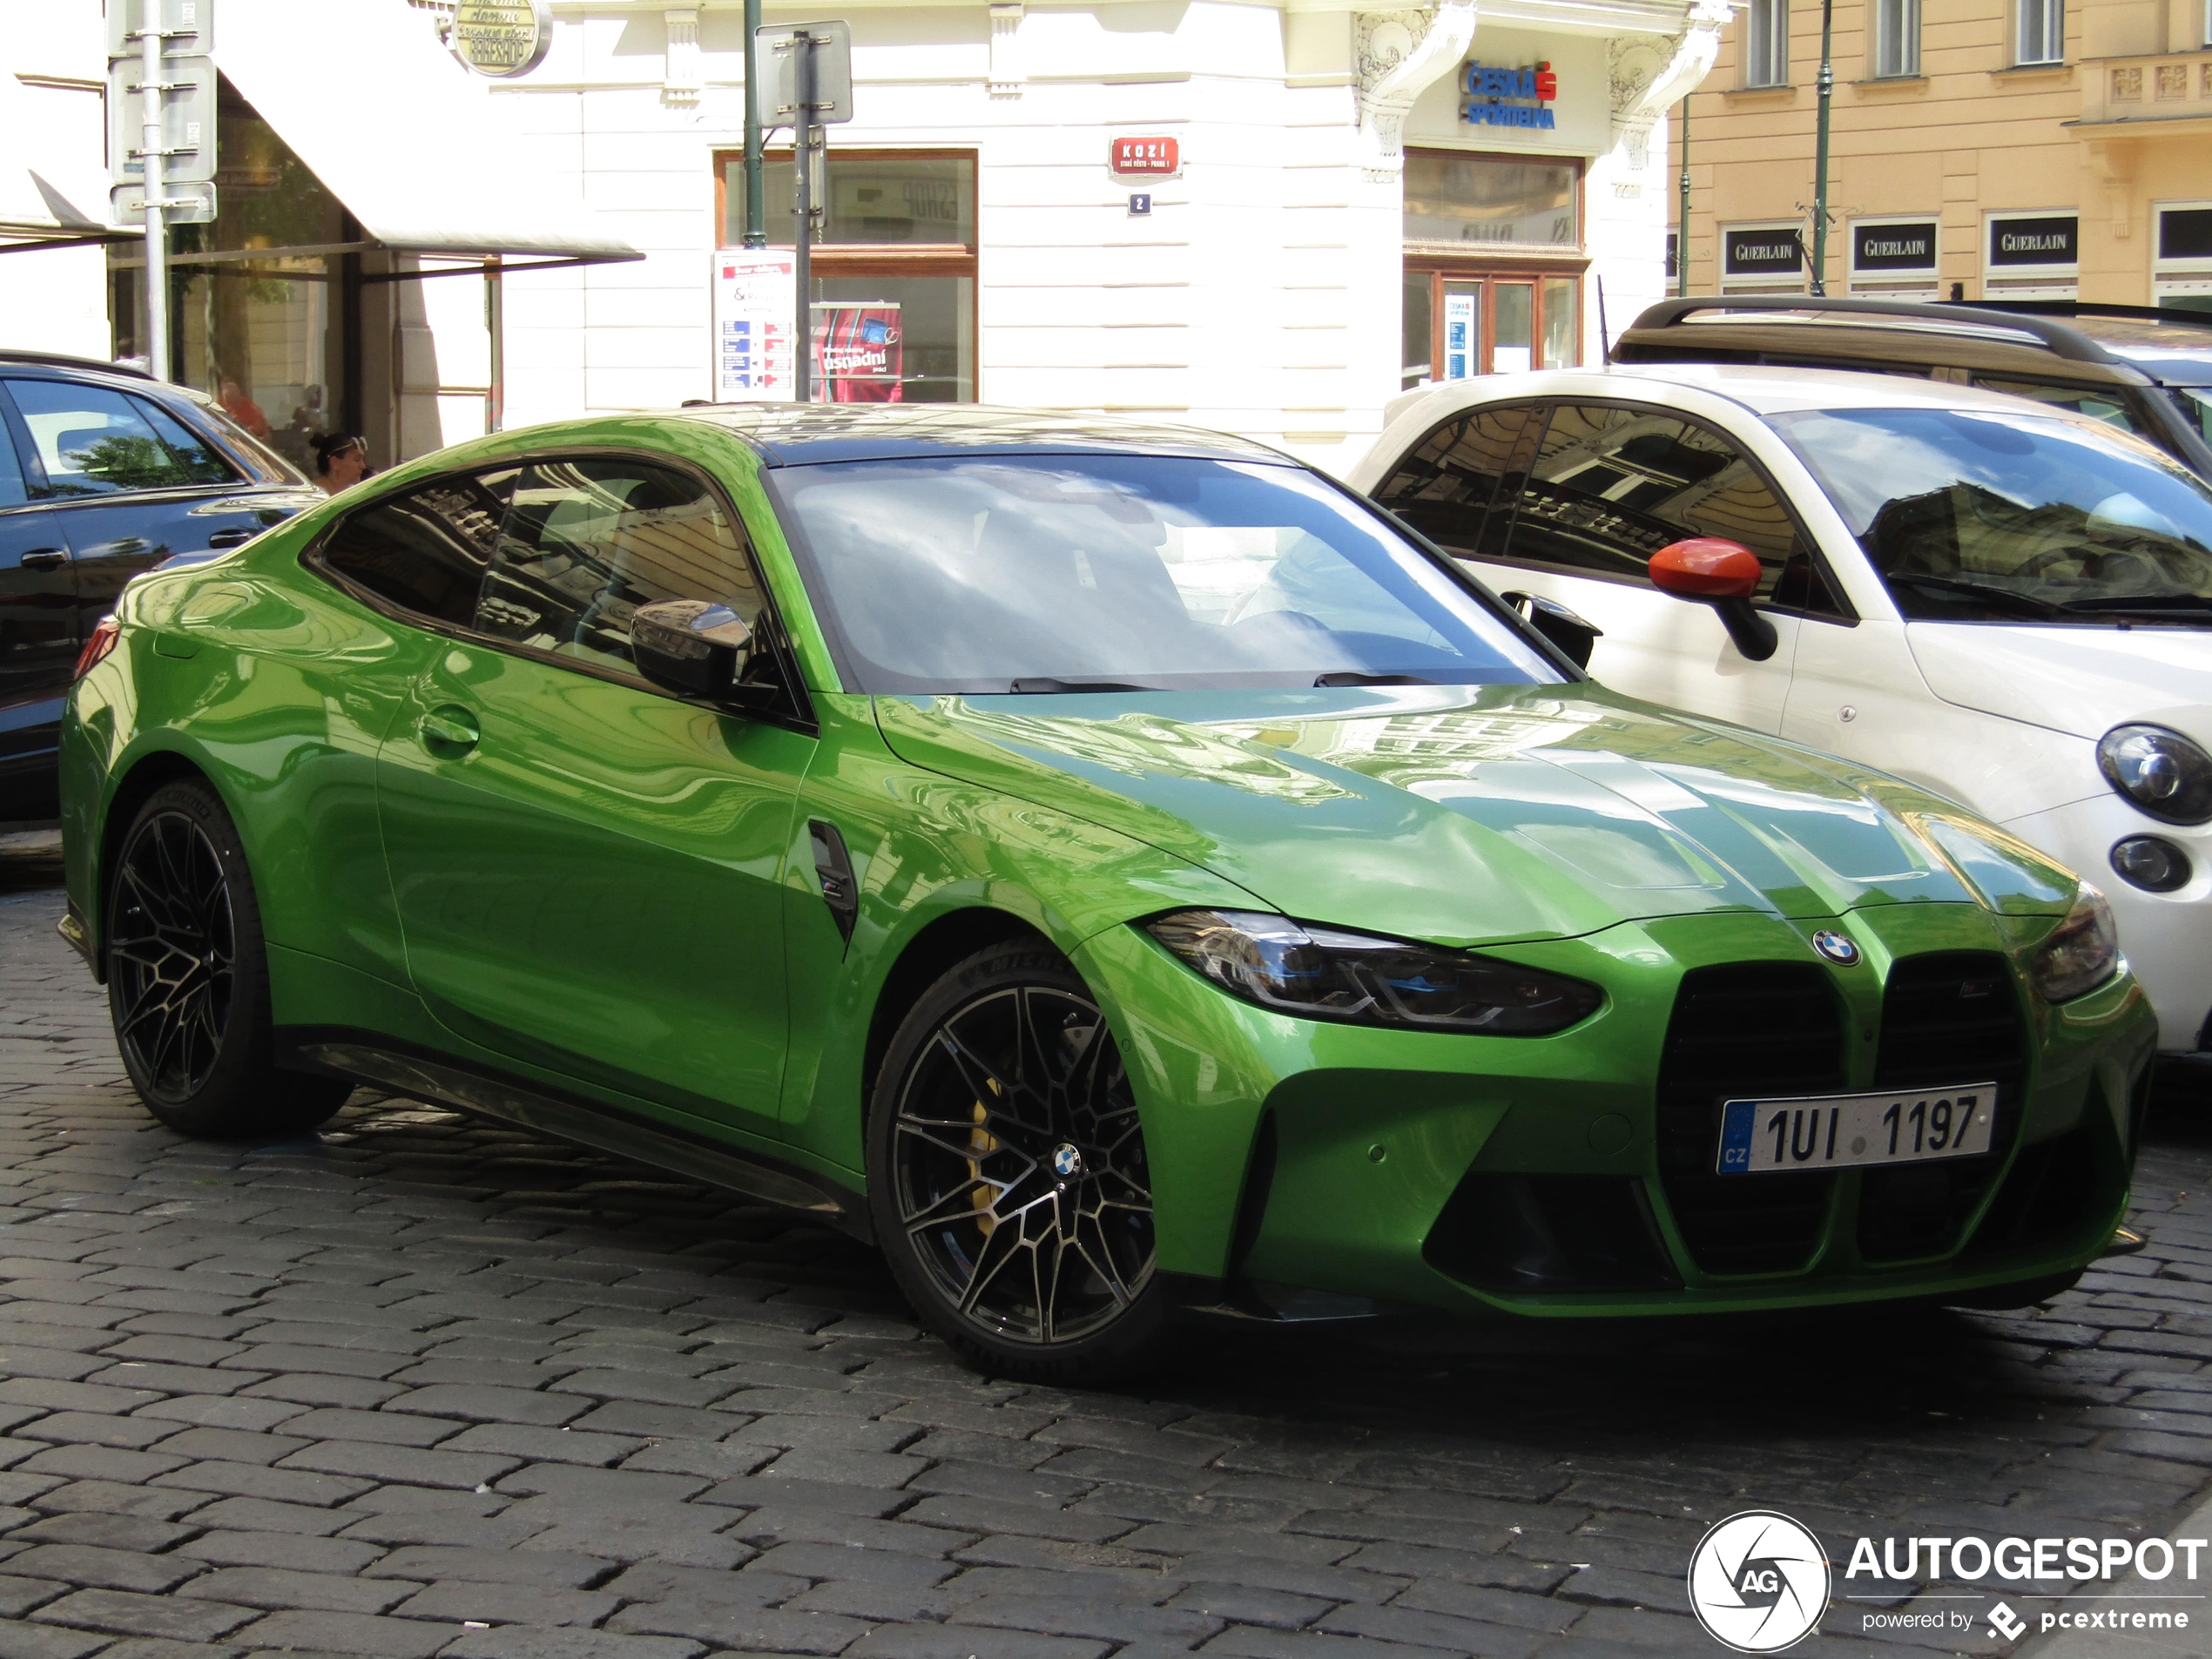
[(101, 642)]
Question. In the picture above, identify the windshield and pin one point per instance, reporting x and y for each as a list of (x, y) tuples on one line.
[(1069, 573), (1974, 518)]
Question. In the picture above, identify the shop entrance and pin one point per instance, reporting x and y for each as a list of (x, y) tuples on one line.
[(1460, 322), (1493, 264)]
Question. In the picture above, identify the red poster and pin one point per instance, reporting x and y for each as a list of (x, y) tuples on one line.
[(859, 355)]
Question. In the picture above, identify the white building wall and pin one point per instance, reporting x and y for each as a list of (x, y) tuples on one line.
[(56, 298), (1261, 296)]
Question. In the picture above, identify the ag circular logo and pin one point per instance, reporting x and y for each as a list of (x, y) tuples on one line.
[(1835, 947), (1758, 1583)]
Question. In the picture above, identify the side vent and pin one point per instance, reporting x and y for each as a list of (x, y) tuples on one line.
[(833, 869)]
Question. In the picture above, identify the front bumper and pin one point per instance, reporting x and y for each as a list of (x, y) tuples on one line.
[(1563, 1175)]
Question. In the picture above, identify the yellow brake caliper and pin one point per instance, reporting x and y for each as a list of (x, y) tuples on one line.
[(982, 1143)]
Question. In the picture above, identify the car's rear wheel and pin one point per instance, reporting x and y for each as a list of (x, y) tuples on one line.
[(188, 978), (1007, 1174)]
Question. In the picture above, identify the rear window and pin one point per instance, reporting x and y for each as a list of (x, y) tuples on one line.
[(94, 441)]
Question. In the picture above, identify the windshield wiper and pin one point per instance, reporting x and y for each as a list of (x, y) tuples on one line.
[(2021, 603), (1044, 683), (1352, 677), (2143, 605)]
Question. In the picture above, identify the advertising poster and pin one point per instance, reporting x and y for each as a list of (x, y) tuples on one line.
[(858, 354), (755, 293), (1458, 335)]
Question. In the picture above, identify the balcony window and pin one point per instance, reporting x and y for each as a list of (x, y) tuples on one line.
[(1766, 44), (2040, 32)]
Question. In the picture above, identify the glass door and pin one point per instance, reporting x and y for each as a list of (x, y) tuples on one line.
[(1458, 323), (1513, 327)]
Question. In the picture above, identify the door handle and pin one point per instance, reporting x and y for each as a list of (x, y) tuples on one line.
[(230, 538), (450, 732), (45, 558)]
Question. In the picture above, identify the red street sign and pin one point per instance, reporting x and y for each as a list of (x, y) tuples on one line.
[(1140, 158)]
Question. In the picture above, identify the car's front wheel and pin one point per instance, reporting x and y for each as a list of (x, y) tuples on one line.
[(188, 977), (1007, 1174)]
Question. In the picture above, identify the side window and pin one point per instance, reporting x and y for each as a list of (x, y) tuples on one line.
[(2108, 407), (1444, 488), (1610, 486), (94, 441), (426, 550), (193, 452), (587, 542)]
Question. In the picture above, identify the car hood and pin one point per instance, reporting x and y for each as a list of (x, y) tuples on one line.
[(1473, 815), (2081, 681)]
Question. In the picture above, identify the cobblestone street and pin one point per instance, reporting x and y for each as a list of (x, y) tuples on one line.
[(419, 1385)]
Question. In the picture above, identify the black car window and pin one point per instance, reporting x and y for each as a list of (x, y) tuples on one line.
[(1445, 485), (194, 452), (587, 541), (1610, 486), (13, 492), (92, 440), (2099, 403), (426, 549), (2195, 405)]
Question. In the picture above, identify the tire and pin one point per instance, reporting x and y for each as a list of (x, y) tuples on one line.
[(188, 978), (1006, 1174)]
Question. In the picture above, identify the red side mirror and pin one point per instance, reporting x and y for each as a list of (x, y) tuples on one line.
[(1706, 567)]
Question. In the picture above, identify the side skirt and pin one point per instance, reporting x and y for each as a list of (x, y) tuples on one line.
[(371, 1058)]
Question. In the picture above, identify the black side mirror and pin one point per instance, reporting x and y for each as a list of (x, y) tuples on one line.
[(699, 648), (1557, 624)]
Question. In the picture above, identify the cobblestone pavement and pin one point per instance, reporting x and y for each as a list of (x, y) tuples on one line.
[(421, 1386)]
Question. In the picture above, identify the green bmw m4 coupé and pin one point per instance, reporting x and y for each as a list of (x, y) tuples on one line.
[(1117, 869)]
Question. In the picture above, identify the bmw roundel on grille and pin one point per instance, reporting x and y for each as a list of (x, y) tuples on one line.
[(1835, 947)]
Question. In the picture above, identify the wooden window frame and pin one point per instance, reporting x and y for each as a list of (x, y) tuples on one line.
[(833, 260)]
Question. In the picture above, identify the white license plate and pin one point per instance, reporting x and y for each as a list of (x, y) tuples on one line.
[(1835, 1131)]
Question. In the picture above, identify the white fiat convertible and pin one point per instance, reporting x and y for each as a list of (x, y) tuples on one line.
[(2005, 603)]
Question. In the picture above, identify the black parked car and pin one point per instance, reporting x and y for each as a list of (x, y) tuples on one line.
[(104, 472), (2144, 369)]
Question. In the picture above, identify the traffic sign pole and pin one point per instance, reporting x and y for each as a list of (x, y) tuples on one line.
[(157, 221), (806, 132)]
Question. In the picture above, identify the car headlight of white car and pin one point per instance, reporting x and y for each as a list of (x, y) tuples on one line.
[(2081, 953), (2160, 771)]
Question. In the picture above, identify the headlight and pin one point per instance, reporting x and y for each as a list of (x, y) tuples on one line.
[(1324, 974), (2082, 955), (2161, 771)]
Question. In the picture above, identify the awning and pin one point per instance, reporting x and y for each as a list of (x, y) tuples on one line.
[(400, 132), (52, 193)]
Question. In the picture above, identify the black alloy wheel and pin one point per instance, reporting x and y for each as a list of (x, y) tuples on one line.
[(1008, 1176), (172, 947), (188, 977)]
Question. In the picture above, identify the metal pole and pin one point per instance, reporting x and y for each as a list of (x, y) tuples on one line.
[(496, 326), (756, 232), (802, 155), (1826, 89), (157, 221), (1681, 236)]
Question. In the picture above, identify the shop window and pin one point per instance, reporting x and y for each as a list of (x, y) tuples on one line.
[(2039, 32), (896, 257), (261, 333), (1897, 38), (1475, 201), (2181, 272), (1766, 44)]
